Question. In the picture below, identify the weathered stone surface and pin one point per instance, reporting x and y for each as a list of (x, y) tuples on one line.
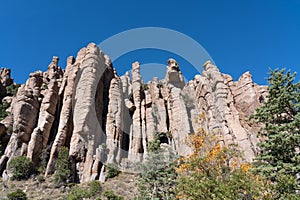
[(173, 75), (88, 133), (6, 79), (135, 152), (103, 118), (25, 111), (54, 71), (40, 135), (65, 126), (114, 128)]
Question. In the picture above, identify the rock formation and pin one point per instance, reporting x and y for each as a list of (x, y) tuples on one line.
[(6, 79), (105, 118)]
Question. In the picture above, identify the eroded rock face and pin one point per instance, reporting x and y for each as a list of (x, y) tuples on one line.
[(65, 127), (174, 75), (40, 135), (103, 118), (88, 108), (135, 139), (6, 79)]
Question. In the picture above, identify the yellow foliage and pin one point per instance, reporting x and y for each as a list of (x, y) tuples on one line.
[(211, 159), (245, 166)]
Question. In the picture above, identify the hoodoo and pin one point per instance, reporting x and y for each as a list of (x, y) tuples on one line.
[(105, 118)]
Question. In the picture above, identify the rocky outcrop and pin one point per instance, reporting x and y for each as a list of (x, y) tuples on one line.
[(25, 114), (65, 127), (104, 118), (5, 77), (114, 123), (173, 74), (217, 98), (91, 83), (40, 135), (135, 138)]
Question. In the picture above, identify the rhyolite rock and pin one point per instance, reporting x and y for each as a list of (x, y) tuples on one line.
[(105, 118)]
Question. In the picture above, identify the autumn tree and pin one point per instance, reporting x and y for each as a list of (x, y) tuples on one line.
[(214, 171)]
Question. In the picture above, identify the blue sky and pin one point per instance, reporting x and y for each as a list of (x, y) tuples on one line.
[(239, 35)]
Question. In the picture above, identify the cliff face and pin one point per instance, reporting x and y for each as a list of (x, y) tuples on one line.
[(104, 118)]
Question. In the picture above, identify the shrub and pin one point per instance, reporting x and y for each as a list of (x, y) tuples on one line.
[(110, 195), (154, 145), (3, 108), (12, 89), (21, 167), (77, 193), (95, 188), (62, 166), (112, 170), (146, 87), (40, 178), (17, 195)]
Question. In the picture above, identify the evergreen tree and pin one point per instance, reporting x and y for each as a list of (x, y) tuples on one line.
[(62, 166), (158, 175), (279, 157)]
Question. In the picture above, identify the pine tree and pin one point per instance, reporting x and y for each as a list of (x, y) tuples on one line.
[(279, 157), (158, 175)]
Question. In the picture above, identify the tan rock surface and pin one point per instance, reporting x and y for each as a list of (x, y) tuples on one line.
[(104, 118)]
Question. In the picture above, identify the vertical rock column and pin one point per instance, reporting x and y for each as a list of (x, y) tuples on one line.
[(150, 123), (179, 121), (129, 107), (25, 113), (135, 146), (49, 92), (114, 130), (158, 107), (226, 120), (40, 135), (87, 128), (65, 122)]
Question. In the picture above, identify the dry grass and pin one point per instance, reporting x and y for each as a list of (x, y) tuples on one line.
[(124, 184), (34, 189)]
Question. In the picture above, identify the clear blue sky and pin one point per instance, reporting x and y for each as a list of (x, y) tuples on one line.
[(239, 35)]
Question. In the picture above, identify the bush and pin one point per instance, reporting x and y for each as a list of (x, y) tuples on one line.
[(112, 170), (17, 195), (21, 167), (146, 87), (12, 89), (40, 178), (62, 166), (3, 108), (154, 145), (110, 195), (77, 193), (95, 188)]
